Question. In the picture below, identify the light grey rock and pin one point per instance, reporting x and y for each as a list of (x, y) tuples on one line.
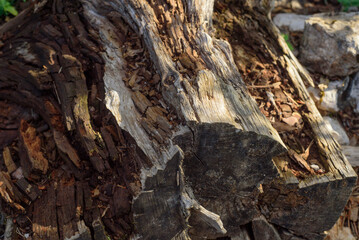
[(337, 130), (293, 22), (314, 93), (352, 154), (350, 95), (331, 44), (327, 99), (263, 230)]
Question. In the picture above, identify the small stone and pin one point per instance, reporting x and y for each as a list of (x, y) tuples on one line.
[(352, 154), (351, 96), (327, 99), (315, 167), (353, 9), (337, 130)]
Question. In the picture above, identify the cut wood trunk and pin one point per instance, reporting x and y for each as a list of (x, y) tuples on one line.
[(140, 126)]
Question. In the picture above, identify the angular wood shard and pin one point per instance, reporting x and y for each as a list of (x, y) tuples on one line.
[(32, 158)]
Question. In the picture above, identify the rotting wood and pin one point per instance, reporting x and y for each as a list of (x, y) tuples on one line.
[(64, 146), (44, 219), (9, 192), (31, 191), (9, 163), (147, 85), (32, 158)]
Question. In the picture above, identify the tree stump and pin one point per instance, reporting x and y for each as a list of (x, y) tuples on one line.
[(130, 119)]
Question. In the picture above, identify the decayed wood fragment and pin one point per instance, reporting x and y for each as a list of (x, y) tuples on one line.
[(10, 165), (31, 191), (70, 226), (9, 193), (65, 147), (32, 157)]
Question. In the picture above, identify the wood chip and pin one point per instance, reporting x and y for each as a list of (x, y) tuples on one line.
[(299, 160), (305, 155), (291, 121)]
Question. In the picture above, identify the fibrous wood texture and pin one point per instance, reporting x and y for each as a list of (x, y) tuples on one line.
[(136, 123)]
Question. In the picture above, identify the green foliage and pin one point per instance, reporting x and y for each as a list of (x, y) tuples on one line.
[(286, 38), (6, 8), (349, 3)]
